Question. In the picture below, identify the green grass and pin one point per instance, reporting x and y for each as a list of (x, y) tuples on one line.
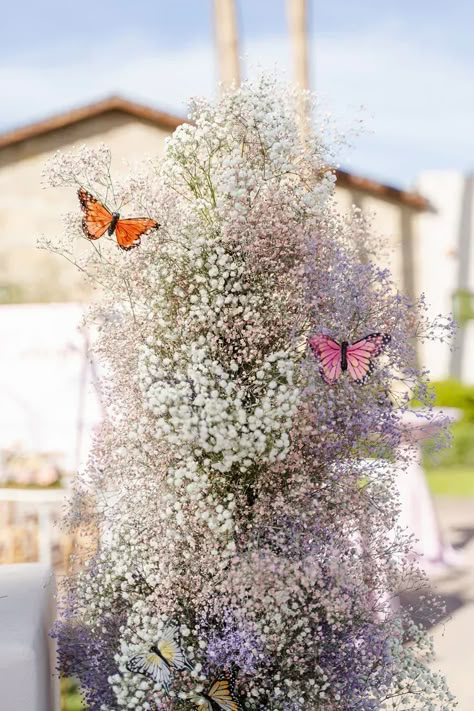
[(70, 697), (455, 481)]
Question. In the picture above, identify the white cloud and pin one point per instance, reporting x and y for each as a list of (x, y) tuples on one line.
[(166, 79), (421, 100)]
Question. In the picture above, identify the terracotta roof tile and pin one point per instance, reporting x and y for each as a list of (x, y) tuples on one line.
[(380, 190), (112, 103)]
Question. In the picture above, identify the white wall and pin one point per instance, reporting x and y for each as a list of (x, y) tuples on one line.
[(29, 212), (47, 388), (444, 263), (386, 220)]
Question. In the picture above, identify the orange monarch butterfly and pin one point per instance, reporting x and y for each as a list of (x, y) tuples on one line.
[(98, 220), (221, 695)]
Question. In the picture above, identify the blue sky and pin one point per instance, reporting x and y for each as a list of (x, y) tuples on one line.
[(409, 65)]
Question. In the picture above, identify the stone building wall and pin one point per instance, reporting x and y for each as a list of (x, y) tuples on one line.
[(28, 211)]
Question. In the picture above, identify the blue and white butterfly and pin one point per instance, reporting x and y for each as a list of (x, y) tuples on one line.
[(158, 661)]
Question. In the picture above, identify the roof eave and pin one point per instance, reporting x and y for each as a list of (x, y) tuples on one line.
[(385, 192), (171, 122), (68, 118)]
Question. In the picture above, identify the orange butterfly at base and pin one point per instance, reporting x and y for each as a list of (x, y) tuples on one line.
[(98, 220)]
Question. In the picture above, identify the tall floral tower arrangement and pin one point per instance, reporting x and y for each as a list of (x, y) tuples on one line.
[(239, 493)]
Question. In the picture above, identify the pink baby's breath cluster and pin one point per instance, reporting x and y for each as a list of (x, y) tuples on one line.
[(234, 496)]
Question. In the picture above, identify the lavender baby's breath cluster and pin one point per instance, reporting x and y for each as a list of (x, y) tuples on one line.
[(242, 511)]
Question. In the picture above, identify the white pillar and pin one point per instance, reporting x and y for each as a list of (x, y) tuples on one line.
[(227, 43), (297, 11), (44, 534)]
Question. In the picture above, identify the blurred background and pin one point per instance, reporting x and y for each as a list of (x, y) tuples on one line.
[(122, 73)]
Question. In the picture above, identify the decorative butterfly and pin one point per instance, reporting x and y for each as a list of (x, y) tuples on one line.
[(158, 661), (98, 220), (357, 357), (220, 695)]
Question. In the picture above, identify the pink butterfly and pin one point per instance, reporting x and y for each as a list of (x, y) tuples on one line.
[(356, 358)]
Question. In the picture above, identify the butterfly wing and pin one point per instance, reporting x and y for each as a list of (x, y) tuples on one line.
[(204, 705), (222, 695), (170, 648), (152, 666), (97, 218), (361, 353), (328, 353), (130, 231)]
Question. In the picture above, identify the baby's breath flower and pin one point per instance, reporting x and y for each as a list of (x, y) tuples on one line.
[(238, 507)]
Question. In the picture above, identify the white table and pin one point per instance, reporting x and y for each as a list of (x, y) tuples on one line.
[(27, 654)]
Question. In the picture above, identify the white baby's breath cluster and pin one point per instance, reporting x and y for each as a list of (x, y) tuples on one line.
[(222, 488), (66, 168), (243, 140), (204, 407), (418, 688)]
